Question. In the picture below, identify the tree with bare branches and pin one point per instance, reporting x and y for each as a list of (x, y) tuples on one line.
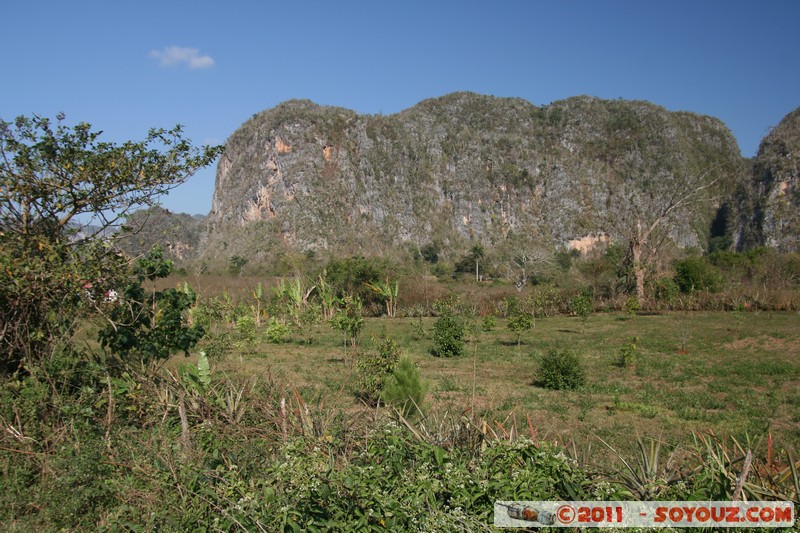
[(645, 213)]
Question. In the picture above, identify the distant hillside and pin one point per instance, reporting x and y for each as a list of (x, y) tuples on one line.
[(462, 169), (178, 234), (776, 184)]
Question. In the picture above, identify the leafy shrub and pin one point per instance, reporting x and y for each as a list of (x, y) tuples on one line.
[(545, 300), (405, 389), (277, 332), (430, 252), (560, 370), (519, 320), (583, 305), (79, 488), (351, 277), (149, 327), (488, 323), (418, 331), (697, 274), (448, 335), (236, 264), (629, 353), (216, 345), (245, 332), (666, 290), (348, 320), (207, 312), (374, 368), (632, 306)]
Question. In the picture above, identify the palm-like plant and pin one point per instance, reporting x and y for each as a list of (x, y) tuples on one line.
[(389, 292), (327, 296), (295, 296), (258, 307)]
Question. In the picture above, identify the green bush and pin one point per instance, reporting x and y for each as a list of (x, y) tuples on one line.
[(560, 370), (488, 323), (519, 320), (629, 353), (448, 335), (79, 487), (236, 264), (352, 276), (149, 326), (405, 389), (349, 320), (277, 332), (246, 333), (374, 368), (216, 345), (697, 274), (666, 290), (583, 305), (632, 306)]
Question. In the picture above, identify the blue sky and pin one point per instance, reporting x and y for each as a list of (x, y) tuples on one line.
[(128, 66)]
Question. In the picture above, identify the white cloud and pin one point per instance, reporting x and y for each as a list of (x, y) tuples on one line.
[(173, 56)]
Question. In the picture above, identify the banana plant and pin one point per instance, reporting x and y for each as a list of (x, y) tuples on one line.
[(197, 379), (389, 293), (327, 296), (258, 307), (295, 296)]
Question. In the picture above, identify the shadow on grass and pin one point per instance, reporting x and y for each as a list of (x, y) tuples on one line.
[(511, 342)]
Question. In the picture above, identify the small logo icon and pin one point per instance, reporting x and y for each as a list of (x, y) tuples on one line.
[(529, 514), (565, 514)]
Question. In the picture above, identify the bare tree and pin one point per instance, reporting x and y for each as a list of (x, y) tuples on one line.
[(524, 263), (645, 213)]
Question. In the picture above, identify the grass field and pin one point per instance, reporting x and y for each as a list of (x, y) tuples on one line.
[(733, 374)]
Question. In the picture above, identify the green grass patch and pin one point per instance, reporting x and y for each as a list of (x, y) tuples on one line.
[(691, 373)]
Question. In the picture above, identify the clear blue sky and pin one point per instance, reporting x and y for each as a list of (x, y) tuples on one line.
[(128, 66)]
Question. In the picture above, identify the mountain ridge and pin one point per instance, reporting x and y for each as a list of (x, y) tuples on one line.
[(465, 168), (458, 168)]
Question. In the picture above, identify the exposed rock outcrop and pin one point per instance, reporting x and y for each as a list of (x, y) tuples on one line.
[(465, 168), (776, 181)]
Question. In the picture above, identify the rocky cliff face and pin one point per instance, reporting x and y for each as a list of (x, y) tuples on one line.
[(776, 186), (465, 168)]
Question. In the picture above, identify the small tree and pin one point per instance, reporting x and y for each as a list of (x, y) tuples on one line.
[(405, 389), (258, 306), (373, 369), (448, 334), (327, 296), (472, 261), (519, 320), (646, 214), (236, 264), (524, 263), (583, 305), (61, 189), (349, 321)]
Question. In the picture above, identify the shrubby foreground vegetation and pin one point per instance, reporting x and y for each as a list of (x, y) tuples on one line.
[(359, 393)]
